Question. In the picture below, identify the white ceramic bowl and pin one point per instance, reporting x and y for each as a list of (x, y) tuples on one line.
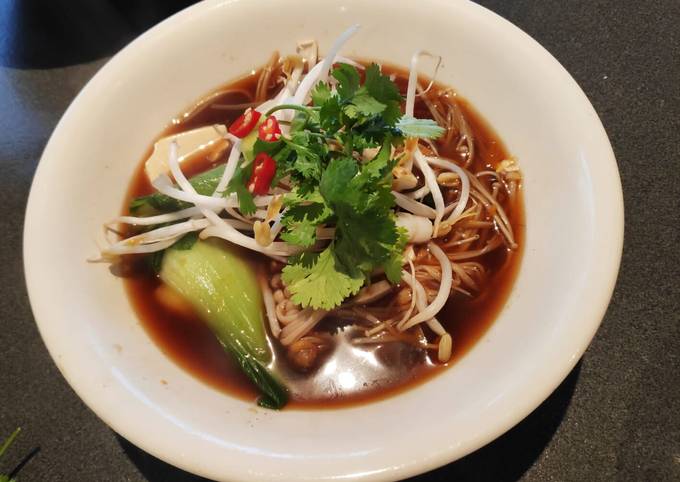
[(574, 236)]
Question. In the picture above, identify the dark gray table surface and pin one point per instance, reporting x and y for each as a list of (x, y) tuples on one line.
[(616, 416)]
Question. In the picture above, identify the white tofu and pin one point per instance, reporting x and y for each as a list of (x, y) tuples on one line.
[(189, 143)]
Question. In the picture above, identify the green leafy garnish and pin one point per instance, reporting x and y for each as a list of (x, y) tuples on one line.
[(322, 284), (301, 233), (364, 104), (348, 80), (427, 128), (339, 185), (360, 200), (395, 261), (334, 186), (304, 214), (321, 94), (380, 86)]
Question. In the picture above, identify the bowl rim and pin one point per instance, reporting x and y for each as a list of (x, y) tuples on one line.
[(552, 376)]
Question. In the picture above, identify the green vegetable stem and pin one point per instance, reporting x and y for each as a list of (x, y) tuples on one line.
[(3, 448)]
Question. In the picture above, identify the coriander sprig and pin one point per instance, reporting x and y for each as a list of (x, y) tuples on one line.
[(336, 186)]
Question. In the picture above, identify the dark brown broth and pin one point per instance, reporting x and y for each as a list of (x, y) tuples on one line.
[(188, 341)]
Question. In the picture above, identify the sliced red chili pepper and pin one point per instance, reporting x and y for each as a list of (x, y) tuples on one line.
[(264, 168), (270, 130), (242, 126)]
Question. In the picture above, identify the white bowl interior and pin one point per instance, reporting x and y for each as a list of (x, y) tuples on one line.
[(573, 242)]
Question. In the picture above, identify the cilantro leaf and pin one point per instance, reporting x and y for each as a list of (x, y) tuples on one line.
[(321, 94), (349, 191), (329, 115), (308, 155), (306, 259), (300, 120), (395, 262), (309, 204), (362, 201), (315, 211), (323, 285), (295, 197), (392, 113), (302, 216), (337, 177), (363, 103), (348, 80), (381, 165), (380, 86), (424, 128), (365, 240), (301, 233)]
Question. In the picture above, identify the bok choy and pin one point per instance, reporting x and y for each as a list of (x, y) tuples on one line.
[(204, 184), (222, 288)]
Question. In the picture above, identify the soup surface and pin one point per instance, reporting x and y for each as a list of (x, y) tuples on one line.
[(348, 373)]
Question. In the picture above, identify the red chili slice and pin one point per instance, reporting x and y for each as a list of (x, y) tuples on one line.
[(264, 168), (242, 126), (270, 130)]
